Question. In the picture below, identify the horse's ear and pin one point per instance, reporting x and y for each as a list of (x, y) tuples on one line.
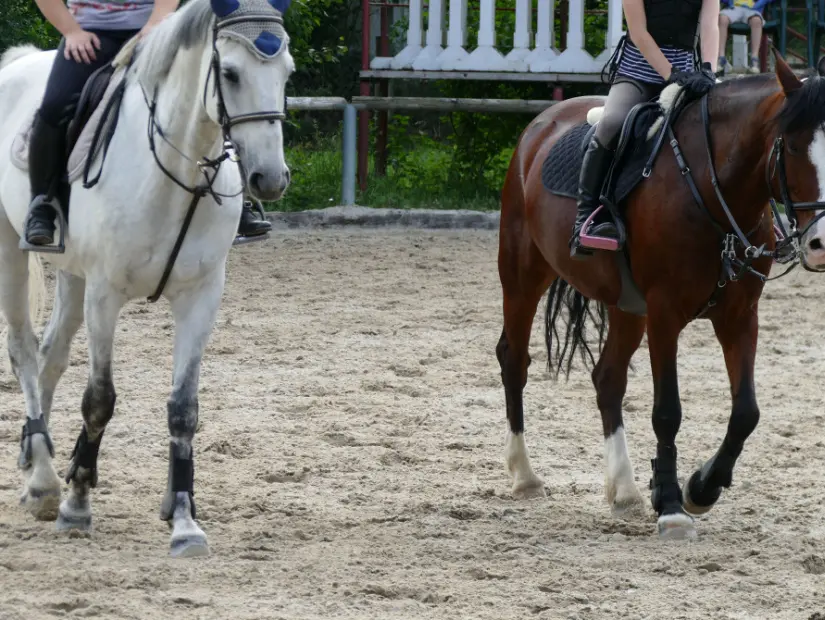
[(787, 78), (280, 5), (222, 8)]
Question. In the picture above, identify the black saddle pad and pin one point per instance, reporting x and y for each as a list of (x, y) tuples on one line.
[(560, 170)]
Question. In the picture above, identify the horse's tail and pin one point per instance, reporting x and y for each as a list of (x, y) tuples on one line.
[(562, 296), (16, 52)]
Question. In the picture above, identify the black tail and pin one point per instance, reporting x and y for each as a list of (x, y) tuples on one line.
[(563, 296)]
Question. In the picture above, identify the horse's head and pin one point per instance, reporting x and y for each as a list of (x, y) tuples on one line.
[(244, 86), (797, 163)]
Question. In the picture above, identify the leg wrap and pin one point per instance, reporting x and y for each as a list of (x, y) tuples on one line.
[(664, 484), (85, 455), (182, 475), (34, 426)]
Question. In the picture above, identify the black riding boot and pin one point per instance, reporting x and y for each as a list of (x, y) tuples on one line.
[(47, 160), (250, 225), (597, 160)]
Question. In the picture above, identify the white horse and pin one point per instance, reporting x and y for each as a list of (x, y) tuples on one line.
[(215, 95)]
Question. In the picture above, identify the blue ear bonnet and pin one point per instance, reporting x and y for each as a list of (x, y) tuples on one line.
[(263, 31)]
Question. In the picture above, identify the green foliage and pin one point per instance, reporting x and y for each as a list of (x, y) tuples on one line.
[(22, 23)]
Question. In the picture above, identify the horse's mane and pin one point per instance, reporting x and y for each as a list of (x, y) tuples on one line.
[(804, 108), (185, 28)]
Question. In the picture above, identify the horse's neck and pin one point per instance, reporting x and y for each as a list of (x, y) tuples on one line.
[(181, 119), (740, 149)]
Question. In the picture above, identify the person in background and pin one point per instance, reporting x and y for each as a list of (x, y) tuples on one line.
[(741, 12)]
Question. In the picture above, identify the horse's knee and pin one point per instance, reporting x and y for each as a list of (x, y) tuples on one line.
[(183, 415), (98, 404)]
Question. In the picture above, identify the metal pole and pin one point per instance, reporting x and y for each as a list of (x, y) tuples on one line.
[(349, 155)]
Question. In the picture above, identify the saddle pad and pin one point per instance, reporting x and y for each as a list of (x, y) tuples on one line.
[(560, 170), (80, 152)]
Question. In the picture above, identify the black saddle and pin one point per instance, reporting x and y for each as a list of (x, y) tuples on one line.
[(634, 158)]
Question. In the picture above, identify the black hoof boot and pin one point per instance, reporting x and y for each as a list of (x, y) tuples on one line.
[(666, 496), (705, 486)]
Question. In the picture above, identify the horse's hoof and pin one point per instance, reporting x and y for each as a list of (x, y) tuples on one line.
[(621, 506), (189, 546), (42, 504), (676, 526), (529, 489), (69, 519), (687, 502)]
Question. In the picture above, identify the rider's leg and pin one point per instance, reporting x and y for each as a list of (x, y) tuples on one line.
[(624, 94), (47, 145)]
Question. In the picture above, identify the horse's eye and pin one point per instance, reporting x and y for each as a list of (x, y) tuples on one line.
[(231, 76)]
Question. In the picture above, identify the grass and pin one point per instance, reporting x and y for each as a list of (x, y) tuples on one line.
[(419, 178)]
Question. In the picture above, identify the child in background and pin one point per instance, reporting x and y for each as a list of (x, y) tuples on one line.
[(741, 12)]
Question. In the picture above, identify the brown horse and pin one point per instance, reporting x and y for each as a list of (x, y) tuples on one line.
[(765, 138)]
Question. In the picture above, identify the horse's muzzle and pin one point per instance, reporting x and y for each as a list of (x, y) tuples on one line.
[(269, 184)]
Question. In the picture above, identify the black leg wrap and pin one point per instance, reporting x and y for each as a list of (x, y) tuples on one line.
[(35, 426), (666, 496), (705, 486), (182, 471), (84, 455)]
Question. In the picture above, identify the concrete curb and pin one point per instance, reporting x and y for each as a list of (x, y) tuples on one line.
[(365, 217)]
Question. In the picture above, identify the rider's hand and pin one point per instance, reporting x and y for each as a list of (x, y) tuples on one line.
[(80, 46)]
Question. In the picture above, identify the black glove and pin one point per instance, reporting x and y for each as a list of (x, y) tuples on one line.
[(694, 83)]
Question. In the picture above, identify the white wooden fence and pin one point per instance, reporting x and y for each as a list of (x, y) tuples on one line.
[(443, 45)]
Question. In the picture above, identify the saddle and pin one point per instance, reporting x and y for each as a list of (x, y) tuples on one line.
[(642, 136), (639, 144), (94, 110)]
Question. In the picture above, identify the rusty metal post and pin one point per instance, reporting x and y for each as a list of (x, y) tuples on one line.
[(364, 115)]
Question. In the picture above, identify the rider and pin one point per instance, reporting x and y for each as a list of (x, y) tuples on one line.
[(660, 49), (93, 32)]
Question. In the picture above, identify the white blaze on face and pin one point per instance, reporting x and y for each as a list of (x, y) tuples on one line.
[(814, 241)]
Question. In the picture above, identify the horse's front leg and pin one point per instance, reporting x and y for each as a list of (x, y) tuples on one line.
[(663, 327), (194, 310), (737, 336)]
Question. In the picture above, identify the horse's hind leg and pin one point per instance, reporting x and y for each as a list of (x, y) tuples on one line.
[(525, 276), (610, 379), (738, 340), (41, 491), (67, 317), (102, 306)]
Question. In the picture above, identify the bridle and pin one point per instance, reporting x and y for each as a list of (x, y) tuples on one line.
[(789, 244), (207, 166), (787, 249)]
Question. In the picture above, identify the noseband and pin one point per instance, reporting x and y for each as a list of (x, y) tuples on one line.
[(229, 150), (789, 245)]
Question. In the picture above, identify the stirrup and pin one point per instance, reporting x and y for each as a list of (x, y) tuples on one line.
[(244, 239), (57, 248), (593, 242)]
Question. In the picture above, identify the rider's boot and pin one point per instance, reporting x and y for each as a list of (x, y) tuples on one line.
[(597, 160), (250, 225), (47, 160)]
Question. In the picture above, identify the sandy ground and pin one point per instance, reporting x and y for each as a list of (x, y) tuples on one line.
[(349, 460)]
